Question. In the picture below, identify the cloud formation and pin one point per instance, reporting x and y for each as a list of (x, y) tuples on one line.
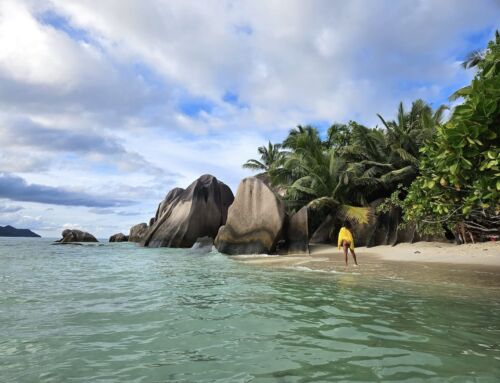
[(5, 208), (130, 99), (17, 189)]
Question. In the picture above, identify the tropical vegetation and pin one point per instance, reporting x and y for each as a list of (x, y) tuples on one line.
[(440, 173)]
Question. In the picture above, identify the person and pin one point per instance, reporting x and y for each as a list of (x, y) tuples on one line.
[(347, 241)]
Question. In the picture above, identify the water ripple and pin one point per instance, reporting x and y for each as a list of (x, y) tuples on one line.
[(121, 313)]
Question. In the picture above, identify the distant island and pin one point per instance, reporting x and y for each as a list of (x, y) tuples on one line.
[(9, 231)]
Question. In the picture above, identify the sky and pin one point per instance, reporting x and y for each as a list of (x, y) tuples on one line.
[(107, 105)]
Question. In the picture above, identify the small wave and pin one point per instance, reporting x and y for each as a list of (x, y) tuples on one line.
[(258, 256), (308, 269)]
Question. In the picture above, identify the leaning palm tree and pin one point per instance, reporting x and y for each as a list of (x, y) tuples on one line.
[(270, 157), (474, 58)]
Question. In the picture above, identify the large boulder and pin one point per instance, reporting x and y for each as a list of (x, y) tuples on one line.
[(73, 235), (297, 233), (255, 220), (186, 215), (138, 232), (120, 237), (323, 234)]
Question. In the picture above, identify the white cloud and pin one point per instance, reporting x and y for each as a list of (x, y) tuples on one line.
[(115, 96)]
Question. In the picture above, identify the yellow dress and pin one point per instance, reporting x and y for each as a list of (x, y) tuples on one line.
[(345, 234)]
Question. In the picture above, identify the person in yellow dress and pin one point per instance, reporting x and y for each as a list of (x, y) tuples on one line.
[(347, 241)]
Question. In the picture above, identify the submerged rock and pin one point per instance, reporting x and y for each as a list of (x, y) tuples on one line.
[(73, 235), (255, 220), (186, 215), (120, 237), (205, 242), (138, 232)]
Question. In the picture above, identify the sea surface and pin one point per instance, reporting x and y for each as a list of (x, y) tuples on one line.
[(121, 313)]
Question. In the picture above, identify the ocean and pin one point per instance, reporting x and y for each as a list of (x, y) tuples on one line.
[(122, 313)]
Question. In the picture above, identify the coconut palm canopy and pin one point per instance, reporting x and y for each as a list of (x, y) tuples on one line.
[(353, 165)]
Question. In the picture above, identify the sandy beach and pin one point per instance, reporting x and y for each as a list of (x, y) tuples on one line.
[(428, 262), (480, 254)]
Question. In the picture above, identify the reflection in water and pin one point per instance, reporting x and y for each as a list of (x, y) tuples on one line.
[(123, 313)]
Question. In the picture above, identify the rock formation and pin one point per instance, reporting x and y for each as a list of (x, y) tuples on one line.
[(71, 235), (382, 229), (255, 220), (297, 233), (138, 232), (120, 237), (205, 242), (323, 233), (186, 215)]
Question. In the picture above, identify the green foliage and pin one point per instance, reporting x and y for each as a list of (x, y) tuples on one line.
[(460, 167), (447, 172), (270, 157)]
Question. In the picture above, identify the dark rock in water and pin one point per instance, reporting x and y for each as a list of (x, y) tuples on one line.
[(297, 233), (73, 235), (255, 220), (207, 242), (138, 232), (120, 237), (10, 231), (186, 215)]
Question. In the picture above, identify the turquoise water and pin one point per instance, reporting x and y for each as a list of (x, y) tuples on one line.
[(119, 313)]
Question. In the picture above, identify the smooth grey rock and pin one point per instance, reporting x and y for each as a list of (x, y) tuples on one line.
[(73, 235), (186, 215), (119, 237), (323, 234), (297, 233), (138, 232), (255, 220)]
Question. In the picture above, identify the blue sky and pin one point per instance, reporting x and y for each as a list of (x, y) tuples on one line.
[(105, 106)]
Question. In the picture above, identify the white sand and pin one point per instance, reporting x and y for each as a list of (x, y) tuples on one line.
[(486, 253), (480, 254)]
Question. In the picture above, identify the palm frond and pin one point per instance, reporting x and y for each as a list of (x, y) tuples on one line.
[(405, 156), (358, 214), (399, 174), (254, 165)]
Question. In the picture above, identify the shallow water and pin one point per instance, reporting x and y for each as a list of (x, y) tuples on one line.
[(120, 313)]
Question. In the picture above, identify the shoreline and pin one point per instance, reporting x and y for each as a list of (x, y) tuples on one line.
[(479, 254)]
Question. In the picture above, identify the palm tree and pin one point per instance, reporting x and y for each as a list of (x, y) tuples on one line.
[(405, 136), (476, 59), (270, 158), (318, 177), (338, 136)]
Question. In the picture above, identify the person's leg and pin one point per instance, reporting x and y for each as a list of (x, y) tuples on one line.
[(345, 245), (354, 256)]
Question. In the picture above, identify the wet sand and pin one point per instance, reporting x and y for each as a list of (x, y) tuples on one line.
[(428, 262)]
